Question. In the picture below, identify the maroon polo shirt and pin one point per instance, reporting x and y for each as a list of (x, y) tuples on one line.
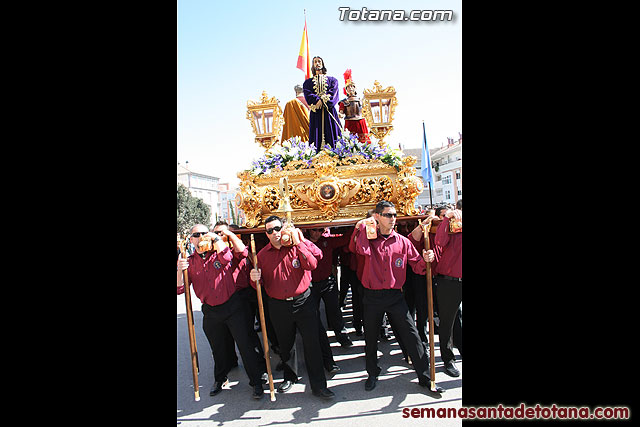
[(419, 245), (241, 270), (450, 261), (286, 272), (357, 260), (212, 278), (386, 259), (327, 246)]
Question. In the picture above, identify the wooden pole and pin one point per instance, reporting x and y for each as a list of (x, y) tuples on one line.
[(263, 325), (432, 357), (190, 326)]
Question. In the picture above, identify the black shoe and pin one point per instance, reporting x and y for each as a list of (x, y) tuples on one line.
[(217, 387), (258, 391), (345, 341), (334, 369), (427, 384), (450, 369), (370, 384), (324, 393), (284, 386)]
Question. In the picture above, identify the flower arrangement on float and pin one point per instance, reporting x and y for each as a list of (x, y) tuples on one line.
[(347, 147)]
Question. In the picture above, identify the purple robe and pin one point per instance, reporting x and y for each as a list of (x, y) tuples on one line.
[(331, 128)]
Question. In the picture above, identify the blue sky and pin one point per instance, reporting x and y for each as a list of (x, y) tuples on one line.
[(229, 52)]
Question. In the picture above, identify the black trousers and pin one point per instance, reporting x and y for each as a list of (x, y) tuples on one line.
[(391, 301), (351, 278), (299, 314), (249, 294), (420, 303), (345, 282), (327, 291), (252, 296), (449, 299), (325, 346), (225, 323)]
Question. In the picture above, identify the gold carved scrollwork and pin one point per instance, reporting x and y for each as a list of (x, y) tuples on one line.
[(294, 165), (271, 199), (328, 195), (324, 165), (296, 201), (374, 189), (248, 199), (327, 192), (408, 186)]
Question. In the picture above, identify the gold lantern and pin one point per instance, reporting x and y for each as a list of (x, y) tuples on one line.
[(266, 120), (378, 108)]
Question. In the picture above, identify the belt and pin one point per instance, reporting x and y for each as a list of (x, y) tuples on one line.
[(324, 281), (305, 293), (457, 279)]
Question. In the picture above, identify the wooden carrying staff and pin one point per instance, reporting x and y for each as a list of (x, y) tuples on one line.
[(432, 356), (262, 322), (190, 326)]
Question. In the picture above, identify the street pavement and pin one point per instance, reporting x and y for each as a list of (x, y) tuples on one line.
[(397, 387)]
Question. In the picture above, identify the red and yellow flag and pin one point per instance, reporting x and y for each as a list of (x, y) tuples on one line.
[(304, 60)]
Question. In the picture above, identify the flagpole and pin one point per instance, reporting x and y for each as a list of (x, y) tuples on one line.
[(425, 165)]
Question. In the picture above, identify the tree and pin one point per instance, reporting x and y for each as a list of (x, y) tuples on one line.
[(191, 210), (234, 218)]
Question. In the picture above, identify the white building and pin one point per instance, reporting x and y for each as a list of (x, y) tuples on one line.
[(202, 186), (228, 202), (447, 172)]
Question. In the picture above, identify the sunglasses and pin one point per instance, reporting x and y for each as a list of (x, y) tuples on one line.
[(276, 228), (202, 233), (389, 215)]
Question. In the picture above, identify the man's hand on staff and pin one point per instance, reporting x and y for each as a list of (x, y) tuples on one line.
[(255, 274), (428, 256), (183, 263), (417, 233)]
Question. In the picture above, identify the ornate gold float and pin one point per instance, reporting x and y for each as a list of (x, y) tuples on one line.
[(327, 191), (326, 187)]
